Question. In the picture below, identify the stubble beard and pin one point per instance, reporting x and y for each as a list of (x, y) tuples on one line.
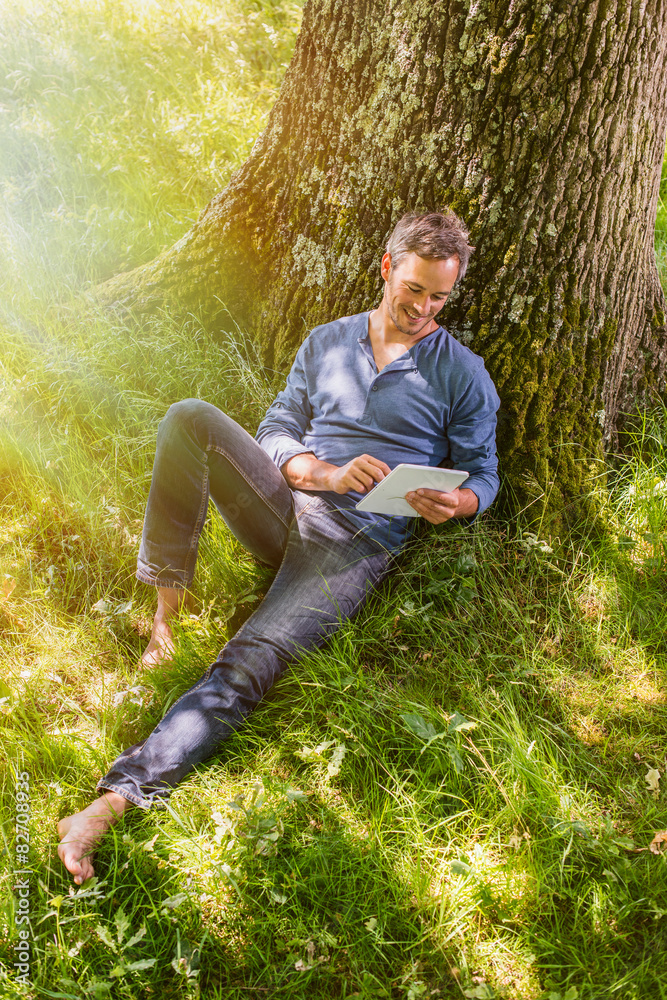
[(407, 331)]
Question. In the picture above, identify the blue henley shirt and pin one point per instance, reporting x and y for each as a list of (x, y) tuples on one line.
[(434, 405)]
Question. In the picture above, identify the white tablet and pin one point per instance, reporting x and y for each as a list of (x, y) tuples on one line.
[(388, 497)]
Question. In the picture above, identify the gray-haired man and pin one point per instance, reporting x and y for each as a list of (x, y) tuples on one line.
[(365, 393)]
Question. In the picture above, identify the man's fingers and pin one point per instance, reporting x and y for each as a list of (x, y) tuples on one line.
[(433, 505), (435, 496), (367, 471), (360, 480), (373, 465), (362, 483), (432, 500), (422, 505)]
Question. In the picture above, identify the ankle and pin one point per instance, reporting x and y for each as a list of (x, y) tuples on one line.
[(110, 806), (170, 601)]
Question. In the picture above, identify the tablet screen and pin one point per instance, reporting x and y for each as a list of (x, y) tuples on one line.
[(388, 497)]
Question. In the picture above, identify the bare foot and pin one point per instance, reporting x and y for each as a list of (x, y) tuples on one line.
[(81, 833), (160, 649)]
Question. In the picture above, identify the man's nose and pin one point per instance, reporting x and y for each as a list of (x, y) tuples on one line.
[(422, 306)]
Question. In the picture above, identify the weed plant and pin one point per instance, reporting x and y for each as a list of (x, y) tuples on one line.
[(460, 795)]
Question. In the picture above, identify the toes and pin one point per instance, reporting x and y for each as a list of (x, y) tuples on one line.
[(86, 871), (79, 867), (73, 852), (69, 859)]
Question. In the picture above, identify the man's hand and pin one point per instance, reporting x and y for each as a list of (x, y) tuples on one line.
[(361, 474), (305, 472), (437, 507)]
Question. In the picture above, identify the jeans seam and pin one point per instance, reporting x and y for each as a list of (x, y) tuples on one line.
[(190, 690), (199, 524), (366, 594), (342, 619), (250, 484), (307, 507)]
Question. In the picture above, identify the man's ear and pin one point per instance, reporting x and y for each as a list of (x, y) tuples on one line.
[(385, 266)]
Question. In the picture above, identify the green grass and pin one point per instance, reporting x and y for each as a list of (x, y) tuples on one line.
[(450, 799)]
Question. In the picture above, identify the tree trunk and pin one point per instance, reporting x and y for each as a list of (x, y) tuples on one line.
[(543, 126)]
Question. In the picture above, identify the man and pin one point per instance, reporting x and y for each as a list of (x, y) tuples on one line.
[(365, 393)]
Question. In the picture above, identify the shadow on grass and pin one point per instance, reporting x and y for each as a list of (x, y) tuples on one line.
[(308, 907)]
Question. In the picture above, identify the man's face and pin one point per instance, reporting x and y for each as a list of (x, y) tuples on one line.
[(416, 290)]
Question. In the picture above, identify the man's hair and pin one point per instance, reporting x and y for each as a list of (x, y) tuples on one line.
[(433, 235)]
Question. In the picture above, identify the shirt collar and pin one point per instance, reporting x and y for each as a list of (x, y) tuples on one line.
[(406, 360)]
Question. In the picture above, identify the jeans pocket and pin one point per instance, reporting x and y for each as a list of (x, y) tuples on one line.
[(305, 503)]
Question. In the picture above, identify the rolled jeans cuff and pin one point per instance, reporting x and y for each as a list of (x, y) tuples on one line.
[(164, 578), (141, 803)]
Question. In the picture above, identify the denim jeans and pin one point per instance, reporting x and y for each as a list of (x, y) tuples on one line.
[(326, 571)]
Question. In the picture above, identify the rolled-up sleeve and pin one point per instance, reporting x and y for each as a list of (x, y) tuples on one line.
[(282, 430), (472, 438)]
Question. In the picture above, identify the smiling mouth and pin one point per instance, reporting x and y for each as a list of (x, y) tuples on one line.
[(417, 320)]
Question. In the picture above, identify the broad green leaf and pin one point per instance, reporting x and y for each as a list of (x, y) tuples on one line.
[(173, 901), (294, 795), (122, 922), (334, 765), (481, 992), (105, 937), (456, 759), (458, 723), (136, 937), (624, 841), (465, 563), (98, 988), (90, 883), (144, 963), (420, 727)]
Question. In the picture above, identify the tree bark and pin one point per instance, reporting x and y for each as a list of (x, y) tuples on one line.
[(542, 125)]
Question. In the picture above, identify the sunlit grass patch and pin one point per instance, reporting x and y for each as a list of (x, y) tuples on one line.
[(121, 121)]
